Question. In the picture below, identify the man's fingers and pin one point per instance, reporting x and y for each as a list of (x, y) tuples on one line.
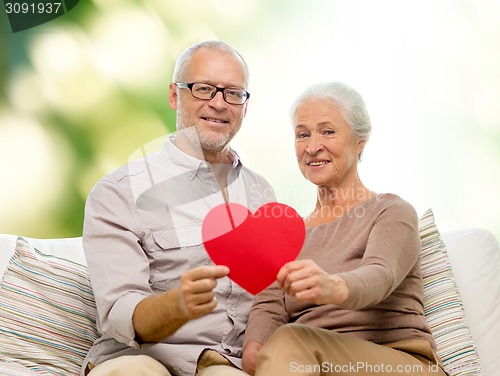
[(197, 287), (202, 279), (209, 271), (198, 305), (202, 309), (200, 299)]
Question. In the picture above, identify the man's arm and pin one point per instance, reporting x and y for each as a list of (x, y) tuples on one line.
[(159, 316)]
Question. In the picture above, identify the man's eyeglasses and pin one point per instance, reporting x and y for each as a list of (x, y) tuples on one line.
[(206, 92)]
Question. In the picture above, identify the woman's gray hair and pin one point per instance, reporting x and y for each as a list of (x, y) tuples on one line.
[(183, 59), (346, 99)]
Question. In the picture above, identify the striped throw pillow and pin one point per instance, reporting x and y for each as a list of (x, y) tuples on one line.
[(14, 369), (47, 313), (443, 306)]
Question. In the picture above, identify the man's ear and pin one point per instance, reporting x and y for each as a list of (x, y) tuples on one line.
[(172, 96), (245, 109)]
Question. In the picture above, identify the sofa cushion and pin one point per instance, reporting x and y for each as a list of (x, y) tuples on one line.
[(475, 258), (443, 306), (47, 312)]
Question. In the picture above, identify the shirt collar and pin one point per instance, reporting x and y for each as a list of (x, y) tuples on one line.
[(172, 153)]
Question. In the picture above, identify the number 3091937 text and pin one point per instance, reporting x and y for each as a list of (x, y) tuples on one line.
[(24, 8)]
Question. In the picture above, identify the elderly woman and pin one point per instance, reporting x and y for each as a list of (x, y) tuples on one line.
[(352, 303)]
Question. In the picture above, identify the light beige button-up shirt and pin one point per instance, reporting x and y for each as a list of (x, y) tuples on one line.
[(142, 230)]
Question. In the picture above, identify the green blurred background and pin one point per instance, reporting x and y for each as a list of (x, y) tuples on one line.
[(81, 93)]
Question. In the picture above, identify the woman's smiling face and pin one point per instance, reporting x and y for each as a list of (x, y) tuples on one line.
[(327, 151)]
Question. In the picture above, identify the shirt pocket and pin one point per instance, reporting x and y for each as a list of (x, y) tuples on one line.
[(175, 251)]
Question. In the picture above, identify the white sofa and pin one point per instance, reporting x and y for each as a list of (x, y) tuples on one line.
[(47, 313)]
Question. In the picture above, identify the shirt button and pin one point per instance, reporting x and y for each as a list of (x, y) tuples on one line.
[(213, 189)]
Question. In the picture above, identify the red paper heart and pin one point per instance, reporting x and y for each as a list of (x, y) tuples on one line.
[(253, 246)]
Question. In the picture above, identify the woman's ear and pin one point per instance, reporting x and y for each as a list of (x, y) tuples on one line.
[(360, 148)]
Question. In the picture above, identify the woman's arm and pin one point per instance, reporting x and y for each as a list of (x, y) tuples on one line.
[(391, 253), (267, 314)]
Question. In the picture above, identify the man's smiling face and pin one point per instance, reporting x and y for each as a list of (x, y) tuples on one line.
[(215, 120)]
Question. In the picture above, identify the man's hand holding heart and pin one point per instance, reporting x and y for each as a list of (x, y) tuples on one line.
[(196, 295)]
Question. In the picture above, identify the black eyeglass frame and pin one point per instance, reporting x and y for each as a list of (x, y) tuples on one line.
[(189, 85)]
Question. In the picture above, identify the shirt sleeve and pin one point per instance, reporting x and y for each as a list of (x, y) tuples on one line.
[(391, 253), (268, 313), (118, 266)]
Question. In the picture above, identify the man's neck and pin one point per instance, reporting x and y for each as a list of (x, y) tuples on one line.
[(220, 161), (223, 157)]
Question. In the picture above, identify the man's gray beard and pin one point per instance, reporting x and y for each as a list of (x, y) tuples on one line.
[(212, 144)]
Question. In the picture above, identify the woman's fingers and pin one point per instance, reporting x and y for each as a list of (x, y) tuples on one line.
[(296, 276)]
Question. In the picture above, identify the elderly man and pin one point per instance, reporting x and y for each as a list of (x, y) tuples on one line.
[(163, 307)]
